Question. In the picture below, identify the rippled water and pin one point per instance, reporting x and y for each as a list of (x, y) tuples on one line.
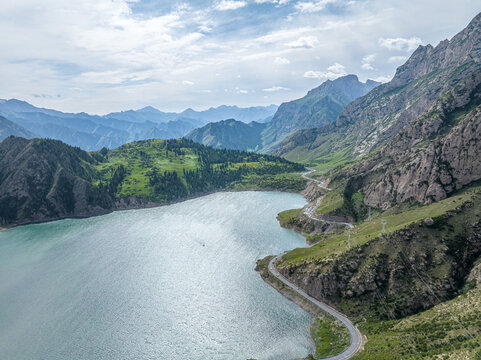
[(175, 283)]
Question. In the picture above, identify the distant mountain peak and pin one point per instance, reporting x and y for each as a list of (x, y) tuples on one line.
[(149, 109)]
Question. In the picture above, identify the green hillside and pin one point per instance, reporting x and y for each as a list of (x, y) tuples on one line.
[(166, 170), (56, 180)]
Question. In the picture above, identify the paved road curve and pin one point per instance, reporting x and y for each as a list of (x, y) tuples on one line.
[(356, 337), (310, 211)]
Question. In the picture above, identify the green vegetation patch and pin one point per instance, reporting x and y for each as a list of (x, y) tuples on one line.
[(334, 200), (336, 243), (450, 330), (285, 217), (169, 170), (291, 182), (329, 335)]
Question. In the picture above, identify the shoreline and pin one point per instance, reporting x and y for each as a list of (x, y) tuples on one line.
[(292, 292), (148, 205)]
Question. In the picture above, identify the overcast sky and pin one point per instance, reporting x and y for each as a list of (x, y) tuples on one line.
[(100, 56)]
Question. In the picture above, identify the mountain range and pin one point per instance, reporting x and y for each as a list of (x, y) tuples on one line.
[(403, 166), (398, 161), (91, 132), (45, 179), (319, 106)]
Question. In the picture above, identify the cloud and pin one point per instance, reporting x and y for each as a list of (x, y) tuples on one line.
[(306, 42), (367, 62), (229, 5), (188, 83), (312, 6), (277, 2), (333, 72), (383, 79), (397, 59), (400, 44), (108, 55), (282, 61), (275, 88)]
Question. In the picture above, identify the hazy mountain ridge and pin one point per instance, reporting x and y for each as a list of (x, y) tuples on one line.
[(229, 134), (320, 106), (92, 132), (8, 128)]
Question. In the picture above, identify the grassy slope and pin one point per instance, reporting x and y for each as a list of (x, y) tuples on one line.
[(142, 157), (292, 182), (336, 243), (287, 215), (450, 330)]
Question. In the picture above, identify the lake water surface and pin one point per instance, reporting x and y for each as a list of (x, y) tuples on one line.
[(175, 283)]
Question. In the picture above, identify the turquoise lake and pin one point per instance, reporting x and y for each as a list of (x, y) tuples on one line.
[(174, 282)]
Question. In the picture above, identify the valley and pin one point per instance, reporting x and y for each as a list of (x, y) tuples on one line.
[(385, 256)]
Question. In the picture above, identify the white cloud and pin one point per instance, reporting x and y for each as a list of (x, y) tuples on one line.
[(306, 42), (204, 28), (400, 44), (229, 5), (107, 55), (275, 88), (397, 59), (333, 72), (188, 83), (277, 2), (367, 62), (337, 68), (282, 61), (312, 6), (383, 79)]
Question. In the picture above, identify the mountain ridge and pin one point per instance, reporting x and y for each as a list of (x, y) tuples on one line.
[(92, 132)]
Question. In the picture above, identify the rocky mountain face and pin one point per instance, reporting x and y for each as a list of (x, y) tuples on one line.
[(432, 157), (424, 126), (411, 142), (229, 134), (47, 179), (91, 132), (320, 106), (370, 121)]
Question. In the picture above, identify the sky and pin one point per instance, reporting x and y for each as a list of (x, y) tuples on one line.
[(100, 56)]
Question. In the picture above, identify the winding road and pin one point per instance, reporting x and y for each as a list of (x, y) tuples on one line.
[(356, 337), (309, 211)]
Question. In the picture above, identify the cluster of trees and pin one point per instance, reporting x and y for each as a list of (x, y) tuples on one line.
[(216, 170)]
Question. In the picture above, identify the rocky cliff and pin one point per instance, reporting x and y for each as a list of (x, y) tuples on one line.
[(371, 121), (46, 179), (320, 106)]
